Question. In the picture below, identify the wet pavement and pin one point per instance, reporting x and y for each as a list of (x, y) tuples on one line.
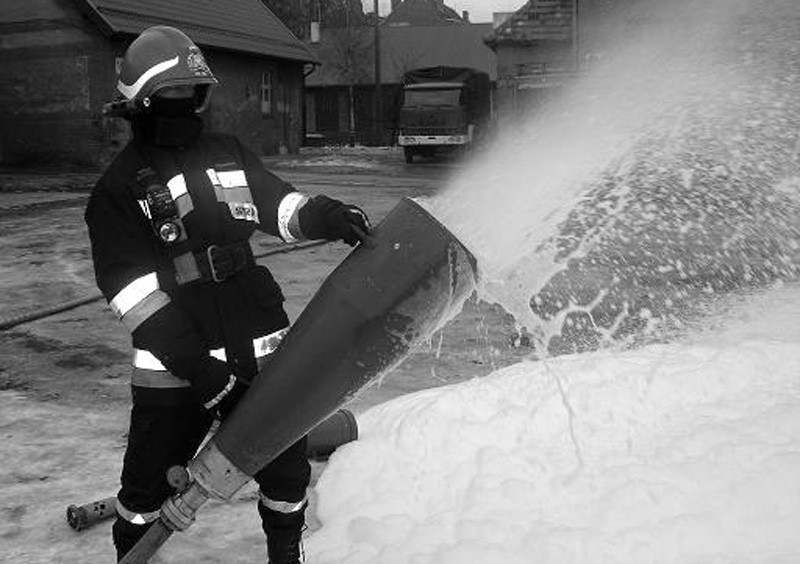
[(47, 264)]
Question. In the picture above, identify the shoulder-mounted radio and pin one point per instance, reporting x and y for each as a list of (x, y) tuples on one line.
[(161, 209)]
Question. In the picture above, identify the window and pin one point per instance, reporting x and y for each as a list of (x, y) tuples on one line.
[(266, 93), (432, 97)]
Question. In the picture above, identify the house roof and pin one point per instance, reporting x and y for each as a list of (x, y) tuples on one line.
[(423, 12), (402, 49), (537, 20), (238, 25)]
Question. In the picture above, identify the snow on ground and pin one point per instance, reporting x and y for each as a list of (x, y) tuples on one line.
[(682, 452), (353, 158)]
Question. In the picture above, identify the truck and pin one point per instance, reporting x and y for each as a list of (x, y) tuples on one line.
[(442, 109)]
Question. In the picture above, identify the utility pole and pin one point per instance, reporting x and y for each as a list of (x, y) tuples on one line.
[(378, 102), (575, 42), (351, 62)]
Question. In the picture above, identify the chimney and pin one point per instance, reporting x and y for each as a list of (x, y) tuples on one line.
[(314, 32), (465, 16)]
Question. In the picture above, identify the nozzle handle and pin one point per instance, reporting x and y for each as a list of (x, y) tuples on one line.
[(364, 238), (82, 517)]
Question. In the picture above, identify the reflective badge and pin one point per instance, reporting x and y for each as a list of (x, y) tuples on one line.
[(197, 63), (243, 210)]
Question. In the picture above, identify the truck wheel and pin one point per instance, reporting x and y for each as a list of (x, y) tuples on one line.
[(409, 154)]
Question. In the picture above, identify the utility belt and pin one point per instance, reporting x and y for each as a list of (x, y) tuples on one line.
[(216, 263)]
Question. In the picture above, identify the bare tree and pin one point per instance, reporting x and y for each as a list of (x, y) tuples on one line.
[(349, 57), (297, 15)]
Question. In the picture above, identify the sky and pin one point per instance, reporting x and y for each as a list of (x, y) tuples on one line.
[(480, 11)]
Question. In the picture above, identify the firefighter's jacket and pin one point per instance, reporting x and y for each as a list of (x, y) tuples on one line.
[(197, 305)]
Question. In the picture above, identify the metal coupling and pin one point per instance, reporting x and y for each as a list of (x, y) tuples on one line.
[(178, 512)]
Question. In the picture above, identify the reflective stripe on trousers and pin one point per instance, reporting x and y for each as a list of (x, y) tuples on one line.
[(282, 506), (148, 372), (136, 518)]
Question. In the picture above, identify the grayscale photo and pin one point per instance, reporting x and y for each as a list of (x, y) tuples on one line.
[(400, 281)]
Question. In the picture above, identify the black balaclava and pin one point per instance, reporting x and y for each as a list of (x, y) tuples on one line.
[(168, 122)]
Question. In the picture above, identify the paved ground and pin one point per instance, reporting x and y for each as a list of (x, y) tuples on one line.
[(47, 265), (64, 392)]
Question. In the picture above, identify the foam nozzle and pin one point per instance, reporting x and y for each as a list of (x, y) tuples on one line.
[(374, 308), (379, 303)]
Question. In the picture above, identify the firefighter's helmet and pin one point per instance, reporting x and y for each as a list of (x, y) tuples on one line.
[(160, 57)]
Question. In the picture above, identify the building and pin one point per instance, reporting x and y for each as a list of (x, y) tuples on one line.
[(535, 49), (423, 13), (547, 43), (58, 61), (340, 93)]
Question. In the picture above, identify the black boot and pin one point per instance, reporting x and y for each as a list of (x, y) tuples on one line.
[(125, 535), (284, 534)]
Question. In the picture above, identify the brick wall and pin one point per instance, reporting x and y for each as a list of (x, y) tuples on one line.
[(48, 92), (236, 104)]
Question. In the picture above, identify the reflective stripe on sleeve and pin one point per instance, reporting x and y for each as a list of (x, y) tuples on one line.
[(136, 518), (149, 372), (147, 361), (139, 313), (263, 346), (133, 293), (288, 220)]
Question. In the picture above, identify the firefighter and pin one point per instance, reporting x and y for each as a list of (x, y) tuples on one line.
[(169, 223)]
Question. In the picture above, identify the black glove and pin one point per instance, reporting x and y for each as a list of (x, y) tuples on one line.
[(218, 390), (325, 218)]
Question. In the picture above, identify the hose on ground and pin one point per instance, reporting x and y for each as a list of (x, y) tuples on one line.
[(42, 313)]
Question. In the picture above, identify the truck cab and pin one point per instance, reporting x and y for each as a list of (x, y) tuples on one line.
[(442, 109), (433, 116)]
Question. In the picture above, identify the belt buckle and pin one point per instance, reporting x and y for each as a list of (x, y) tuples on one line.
[(210, 255)]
